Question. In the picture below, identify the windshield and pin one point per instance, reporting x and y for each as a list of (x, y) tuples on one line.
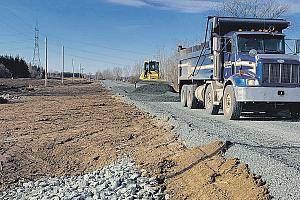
[(261, 43), (154, 66)]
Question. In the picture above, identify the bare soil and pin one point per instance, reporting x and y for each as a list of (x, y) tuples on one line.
[(78, 128)]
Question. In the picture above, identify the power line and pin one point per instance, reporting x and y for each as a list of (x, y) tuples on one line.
[(14, 29), (115, 49), (85, 43), (16, 49), (36, 58), (94, 53), (11, 34), (15, 42), (92, 59), (100, 46)]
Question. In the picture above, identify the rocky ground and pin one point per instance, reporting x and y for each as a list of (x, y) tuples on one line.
[(69, 141)]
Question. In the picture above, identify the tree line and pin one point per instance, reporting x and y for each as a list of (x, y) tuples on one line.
[(17, 67)]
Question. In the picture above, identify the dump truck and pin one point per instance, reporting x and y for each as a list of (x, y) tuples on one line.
[(150, 71), (243, 65)]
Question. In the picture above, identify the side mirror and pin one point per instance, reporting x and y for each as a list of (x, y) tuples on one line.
[(297, 46)]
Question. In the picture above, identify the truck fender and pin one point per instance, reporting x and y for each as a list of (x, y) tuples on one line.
[(200, 92), (230, 81)]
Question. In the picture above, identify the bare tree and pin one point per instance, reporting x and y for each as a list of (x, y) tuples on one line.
[(161, 57), (168, 65), (117, 73), (99, 75), (137, 69), (135, 72), (107, 74), (253, 8), (126, 71)]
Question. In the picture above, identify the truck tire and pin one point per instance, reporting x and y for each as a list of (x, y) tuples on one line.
[(295, 110), (192, 101), (183, 95), (232, 109), (209, 106)]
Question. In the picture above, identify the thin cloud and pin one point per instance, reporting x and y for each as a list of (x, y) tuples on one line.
[(190, 6), (134, 27), (135, 3), (186, 6)]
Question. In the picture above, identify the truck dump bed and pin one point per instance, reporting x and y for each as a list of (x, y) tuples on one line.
[(188, 60)]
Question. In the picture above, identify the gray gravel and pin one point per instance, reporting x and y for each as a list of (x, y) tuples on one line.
[(271, 146), (122, 180)]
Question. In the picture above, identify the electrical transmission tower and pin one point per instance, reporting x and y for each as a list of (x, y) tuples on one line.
[(36, 61)]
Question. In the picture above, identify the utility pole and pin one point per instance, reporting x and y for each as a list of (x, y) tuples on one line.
[(73, 70), (63, 65), (80, 71), (46, 61)]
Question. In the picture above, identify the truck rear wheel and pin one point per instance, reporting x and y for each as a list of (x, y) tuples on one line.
[(209, 104), (192, 101), (183, 95), (232, 109)]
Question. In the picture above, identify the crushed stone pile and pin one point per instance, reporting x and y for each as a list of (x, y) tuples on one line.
[(154, 88), (122, 180)]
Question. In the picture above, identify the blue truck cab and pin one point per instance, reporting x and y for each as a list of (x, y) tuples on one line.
[(242, 66)]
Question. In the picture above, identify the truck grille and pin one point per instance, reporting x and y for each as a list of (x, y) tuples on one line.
[(281, 73)]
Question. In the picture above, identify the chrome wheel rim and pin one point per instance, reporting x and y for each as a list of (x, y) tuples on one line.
[(208, 100), (227, 102)]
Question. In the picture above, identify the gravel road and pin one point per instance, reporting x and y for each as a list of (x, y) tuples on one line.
[(270, 146)]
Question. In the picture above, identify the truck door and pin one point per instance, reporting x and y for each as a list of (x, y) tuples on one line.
[(228, 58)]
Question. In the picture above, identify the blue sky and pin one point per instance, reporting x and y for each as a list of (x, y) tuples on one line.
[(106, 33)]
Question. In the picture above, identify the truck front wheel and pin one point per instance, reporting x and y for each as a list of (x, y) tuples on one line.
[(209, 103), (232, 109), (183, 95)]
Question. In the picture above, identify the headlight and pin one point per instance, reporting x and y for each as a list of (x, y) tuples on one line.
[(252, 82)]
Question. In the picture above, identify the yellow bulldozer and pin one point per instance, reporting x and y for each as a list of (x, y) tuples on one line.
[(150, 71)]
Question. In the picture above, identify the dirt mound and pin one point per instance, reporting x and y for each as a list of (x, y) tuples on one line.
[(204, 173), (154, 88)]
